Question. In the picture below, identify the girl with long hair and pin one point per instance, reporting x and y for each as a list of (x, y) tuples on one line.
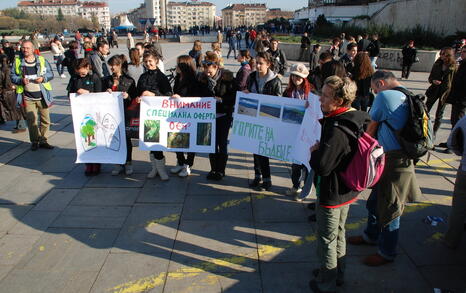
[(362, 74), (244, 58), (120, 81), (186, 85)]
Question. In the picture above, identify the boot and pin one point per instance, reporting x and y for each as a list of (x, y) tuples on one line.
[(213, 166), (160, 165), (221, 163), (152, 172)]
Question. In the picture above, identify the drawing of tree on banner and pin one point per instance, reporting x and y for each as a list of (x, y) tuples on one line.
[(88, 131)]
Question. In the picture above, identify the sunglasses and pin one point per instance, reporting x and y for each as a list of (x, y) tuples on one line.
[(208, 63)]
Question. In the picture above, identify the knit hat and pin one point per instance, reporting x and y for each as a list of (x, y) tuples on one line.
[(299, 70)]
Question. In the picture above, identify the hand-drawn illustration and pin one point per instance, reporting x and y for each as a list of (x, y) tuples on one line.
[(88, 133), (95, 130)]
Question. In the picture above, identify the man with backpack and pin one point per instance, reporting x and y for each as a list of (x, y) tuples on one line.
[(279, 58), (391, 113)]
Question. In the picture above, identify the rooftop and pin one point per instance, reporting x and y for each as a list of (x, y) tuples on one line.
[(245, 6)]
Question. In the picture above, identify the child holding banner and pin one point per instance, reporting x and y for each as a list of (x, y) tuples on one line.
[(299, 87), (263, 81), (219, 83), (85, 82), (154, 83), (120, 81), (186, 85)]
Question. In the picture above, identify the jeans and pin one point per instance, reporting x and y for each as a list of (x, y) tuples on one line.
[(331, 246), (238, 44), (34, 110), (373, 62), (297, 171), (218, 160), (59, 60), (303, 53), (438, 113), (307, 188), (457, 112), (385, 237), (231, 48), (405, 70)]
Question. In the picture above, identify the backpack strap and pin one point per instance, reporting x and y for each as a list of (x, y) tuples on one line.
[(407, 93), (346, 130)]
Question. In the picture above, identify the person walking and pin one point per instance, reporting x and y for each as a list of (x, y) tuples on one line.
[(305, 45), (263, 81), (409, 53), (32, 75), (239, 37), (280, 64), (387, 200), (130, 41), (58, 53), (231, 45), (374, 50), (331, 155), (440, 78), (8, 109), (314, 58), (219, 38), (457, 96)]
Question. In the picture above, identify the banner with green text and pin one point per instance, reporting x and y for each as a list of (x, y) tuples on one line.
[(177, 125), (270, 126)]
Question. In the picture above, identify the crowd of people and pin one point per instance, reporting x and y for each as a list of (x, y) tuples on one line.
[(351, 94)]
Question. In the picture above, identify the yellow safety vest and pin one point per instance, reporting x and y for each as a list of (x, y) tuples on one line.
[(19, 72)]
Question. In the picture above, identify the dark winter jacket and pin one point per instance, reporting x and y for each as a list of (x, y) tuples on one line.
[(154, 81), (442, 90), (242, 77), (223, 86), (458, 86), (197, 56), (125, 84), (279, 60), (272, 87), (333, 156), (313, 61), (90, 82), (99, 64), (363, 44), (409, 55), (348, 64), (188, 87), (305, 42), (374, 48)]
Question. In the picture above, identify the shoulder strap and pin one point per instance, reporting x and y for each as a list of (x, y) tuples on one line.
[(403, 90), (346, 130)]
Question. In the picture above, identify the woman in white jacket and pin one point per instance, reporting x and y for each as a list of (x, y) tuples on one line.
[(58, 55)]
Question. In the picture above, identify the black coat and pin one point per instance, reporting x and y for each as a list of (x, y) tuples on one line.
[(90, 82), (279, 59), (125, 84), (457, 94), (188, 87), (225, 88), (154, 81), (409, 55), (334, 154)]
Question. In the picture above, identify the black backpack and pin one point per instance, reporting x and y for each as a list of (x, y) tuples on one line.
[(416, 137)]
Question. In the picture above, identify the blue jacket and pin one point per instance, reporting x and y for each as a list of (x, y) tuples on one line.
[(17, 79)]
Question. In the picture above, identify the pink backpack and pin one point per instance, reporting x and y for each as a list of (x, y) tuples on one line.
[(366, 166)]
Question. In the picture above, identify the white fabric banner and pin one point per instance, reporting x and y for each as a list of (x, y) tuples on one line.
[(177, 125), (270, 126), (99, 128)]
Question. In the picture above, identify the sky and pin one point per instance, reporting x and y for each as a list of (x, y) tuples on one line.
[(117, 6)]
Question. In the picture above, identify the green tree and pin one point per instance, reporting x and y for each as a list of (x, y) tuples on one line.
[(95, 22), (60, 16)]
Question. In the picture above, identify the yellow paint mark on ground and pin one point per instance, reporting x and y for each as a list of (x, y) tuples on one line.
[(140, 285), (437, 236), (41, 248), (151, 282), (164, 220)]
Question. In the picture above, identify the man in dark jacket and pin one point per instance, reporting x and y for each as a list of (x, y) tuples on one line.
[(374, 50), (279, 58), (364, 43), (330, 157), (457, 96), (348, 59), (305, 45)]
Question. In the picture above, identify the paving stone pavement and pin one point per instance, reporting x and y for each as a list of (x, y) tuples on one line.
[(63, 232)]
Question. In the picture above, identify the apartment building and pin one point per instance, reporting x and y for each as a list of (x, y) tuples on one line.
[(85, 9), (189, 14), (236, 15)]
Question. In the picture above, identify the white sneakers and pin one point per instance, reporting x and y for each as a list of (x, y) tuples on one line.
[(63, 76), (185, 172), (293, 191), (182, 171)]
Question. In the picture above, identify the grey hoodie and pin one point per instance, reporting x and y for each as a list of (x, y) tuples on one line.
[(261, 81)]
